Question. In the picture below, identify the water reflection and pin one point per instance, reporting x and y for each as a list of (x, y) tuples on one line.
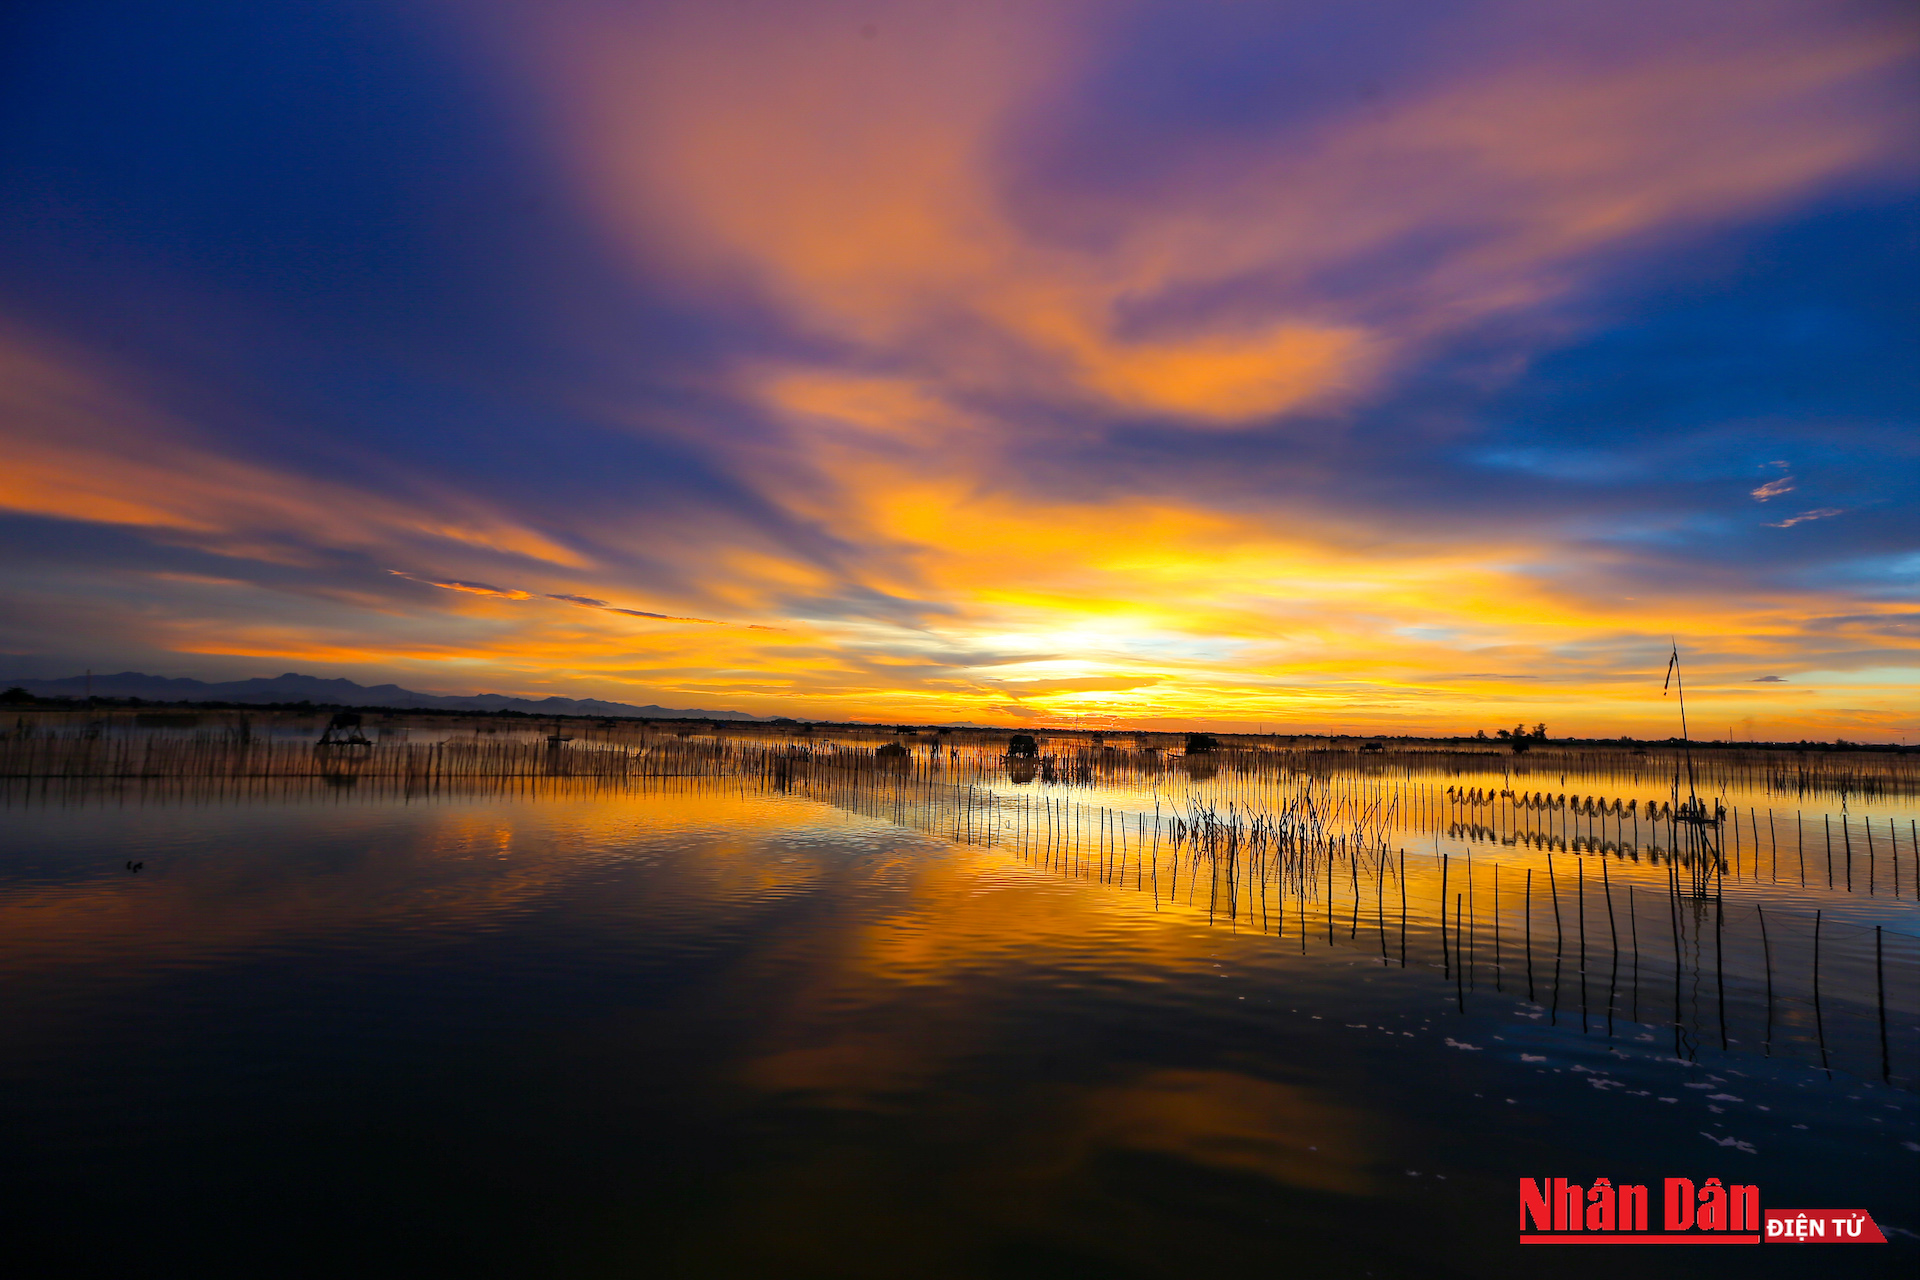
[(699, 1025)]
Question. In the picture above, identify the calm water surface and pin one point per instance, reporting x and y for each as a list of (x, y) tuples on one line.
[(684, 1028)]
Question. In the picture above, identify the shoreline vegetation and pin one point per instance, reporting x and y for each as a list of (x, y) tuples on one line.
[(115, 711), (210, 740)]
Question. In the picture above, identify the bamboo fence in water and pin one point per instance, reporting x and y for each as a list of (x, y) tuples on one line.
[(1621, 914), (1593, 937)]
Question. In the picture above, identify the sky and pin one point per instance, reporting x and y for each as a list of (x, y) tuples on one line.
[(1365, 367)]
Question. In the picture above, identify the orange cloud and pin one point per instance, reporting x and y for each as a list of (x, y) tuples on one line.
[(865, 186), (82, 446), (876, 193), (583, 602), (474, 588), (887, 202)]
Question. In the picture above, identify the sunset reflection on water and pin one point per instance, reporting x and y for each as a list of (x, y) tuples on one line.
[(693, 1028)]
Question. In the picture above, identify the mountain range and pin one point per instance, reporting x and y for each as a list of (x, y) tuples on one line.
[(293, 687)]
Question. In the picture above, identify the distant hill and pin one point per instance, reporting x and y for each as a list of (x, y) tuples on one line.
[(293, 687)]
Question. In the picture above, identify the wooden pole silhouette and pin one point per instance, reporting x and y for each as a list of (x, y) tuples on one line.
[(1529, 934), (1819, 1020), (1673, 919), (1633, 924), (1880, 987), (1459, 992), (1719, 966), (1766, 956), (1498, 985)]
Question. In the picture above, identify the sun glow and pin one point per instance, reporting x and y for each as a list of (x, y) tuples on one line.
[(894, 362)]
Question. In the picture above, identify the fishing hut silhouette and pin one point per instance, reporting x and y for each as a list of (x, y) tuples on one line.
[(344, 731)]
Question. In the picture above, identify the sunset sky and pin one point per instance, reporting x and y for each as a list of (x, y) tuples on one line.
[(1361, 366)]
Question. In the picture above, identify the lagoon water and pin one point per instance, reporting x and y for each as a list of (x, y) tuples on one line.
[(696, 1026)]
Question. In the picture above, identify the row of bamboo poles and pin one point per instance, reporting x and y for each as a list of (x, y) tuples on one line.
[(1753, 840), (1296, 855), (1857, 852), (1840, 776), (1854, 852), (1805, 771), (1614, 949), (212, 757)]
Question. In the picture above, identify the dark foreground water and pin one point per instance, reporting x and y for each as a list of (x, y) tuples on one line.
[(698, 1031)]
